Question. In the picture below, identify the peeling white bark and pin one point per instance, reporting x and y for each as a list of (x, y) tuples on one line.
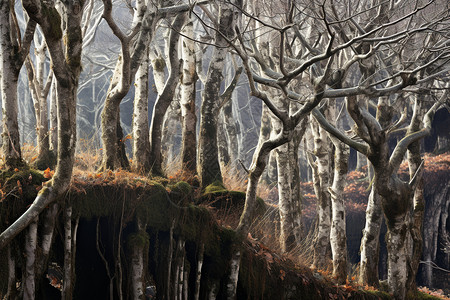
[(141, 142), (137, 266), (158, 68), (181, 269), (187, 101), (177, 286), (368, 273), (137, 263), (234, 275), (338, 237), (397, 258), (321, 185), (285, 201), (171, 122)]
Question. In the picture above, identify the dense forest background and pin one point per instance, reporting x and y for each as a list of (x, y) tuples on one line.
[(215, 149)]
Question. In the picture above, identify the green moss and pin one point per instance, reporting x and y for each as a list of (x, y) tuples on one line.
[(194, 223), (181, 193), (52, 15), (375, 294), (73, 38), (215, 187), (421, 296), (182, 187), (159, 64), (140, 239), (219, 197), (160, 180), (218, 247), (155, 209)]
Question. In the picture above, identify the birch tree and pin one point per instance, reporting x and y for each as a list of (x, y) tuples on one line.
[(187, 101), (208, 159), (40, 89), (395, 194), (133, 49), (141, 143), (14, 49), (397, 78), (66, 59), (166, 94)]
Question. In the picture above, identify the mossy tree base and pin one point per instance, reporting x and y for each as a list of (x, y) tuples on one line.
[(47, 159)]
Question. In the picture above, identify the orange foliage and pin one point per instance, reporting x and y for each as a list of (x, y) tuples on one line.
[(48, 173)]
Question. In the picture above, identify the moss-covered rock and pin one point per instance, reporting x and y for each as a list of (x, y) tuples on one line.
[(181, 193), (215, 187)]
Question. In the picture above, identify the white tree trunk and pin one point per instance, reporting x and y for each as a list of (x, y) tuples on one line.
[(170, 130), (234, 275), (29, 281), (368, 270), (141, 142), (132, 52), (53, 118), (187, 101), (321, 185), (285, 200), (137, 265), (264, 134), (338, 237), (397, 259), (165, 96), (40, 88), (67, 74), (9, 78), (158, 68)]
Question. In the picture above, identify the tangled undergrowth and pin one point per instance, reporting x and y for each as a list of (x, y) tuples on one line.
[(262, 245)]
